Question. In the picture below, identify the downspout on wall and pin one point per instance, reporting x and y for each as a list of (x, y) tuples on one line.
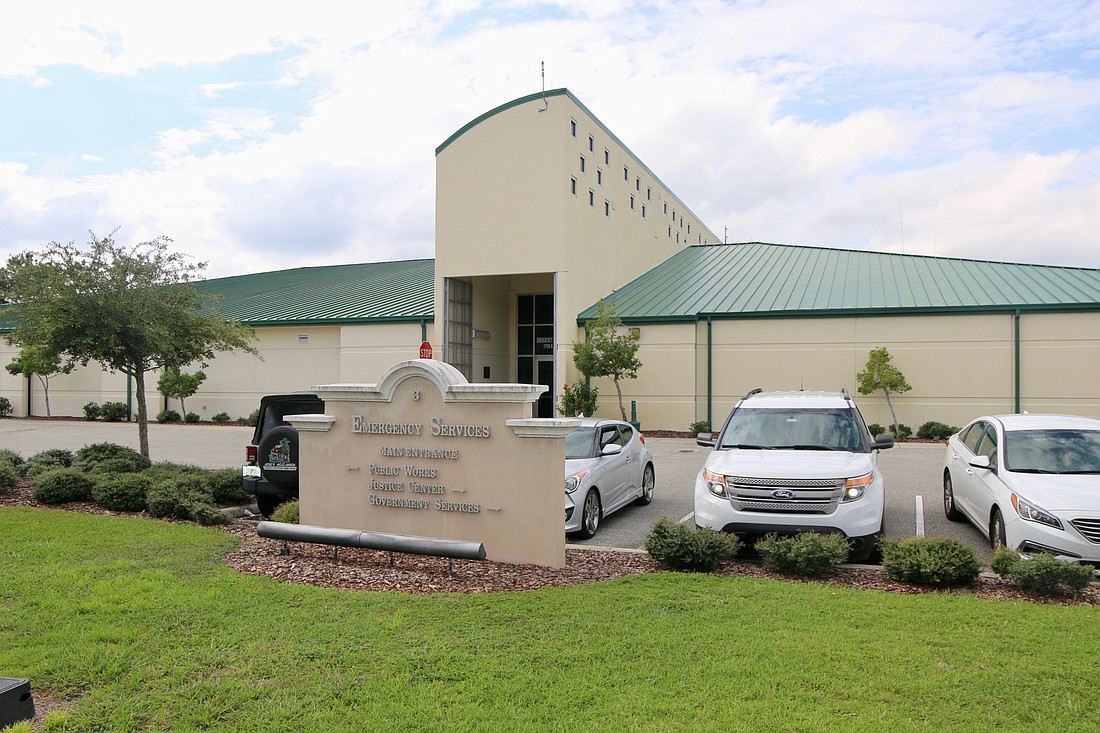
[(710, 372), (1016, 358)]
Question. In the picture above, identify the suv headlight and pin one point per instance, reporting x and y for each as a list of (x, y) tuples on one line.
[(854, 488), (572, 482), (716, 483), (1033, 513)]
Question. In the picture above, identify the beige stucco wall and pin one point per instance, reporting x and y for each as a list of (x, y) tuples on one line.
[(291, 359), (504, 206)]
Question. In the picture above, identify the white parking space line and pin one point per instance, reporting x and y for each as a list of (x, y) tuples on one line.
[(689, 516), (920, 515)]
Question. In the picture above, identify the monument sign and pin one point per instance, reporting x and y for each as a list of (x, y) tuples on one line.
[(428, 454)]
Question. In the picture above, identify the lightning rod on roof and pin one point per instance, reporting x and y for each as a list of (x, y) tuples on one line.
[(545, 104)]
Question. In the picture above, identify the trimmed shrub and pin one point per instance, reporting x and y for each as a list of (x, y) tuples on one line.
[(110, 458), (208, 514), (47, 460), (1003, 561), (5, 407), (227, 488), (875, 429), (578, 399), (904, 431), (114, 411), (805, 553), (191, 417), (286, 512), (701, 426), (935, 561), (933, 430), (61, 485), (91, 411), (167, 416), (8, 478), (253, 418), (680, 548), (122, 492), (1047, 575), (185, 497), (10, 458), (222, 418)]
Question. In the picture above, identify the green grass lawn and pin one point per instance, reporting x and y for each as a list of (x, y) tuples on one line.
[(143, 628)]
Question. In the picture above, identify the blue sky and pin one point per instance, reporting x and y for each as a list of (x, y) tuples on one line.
[(265, 135)]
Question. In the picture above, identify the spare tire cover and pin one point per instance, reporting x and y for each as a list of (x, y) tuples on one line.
[(277, 455)]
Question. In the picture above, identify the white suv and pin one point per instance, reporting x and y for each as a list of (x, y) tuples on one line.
[(789, 462)]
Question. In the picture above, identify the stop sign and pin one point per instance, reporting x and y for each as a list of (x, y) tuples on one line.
[(425, 350)]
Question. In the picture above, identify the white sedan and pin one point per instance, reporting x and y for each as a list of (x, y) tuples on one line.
[(1029, 482), (607, 466)]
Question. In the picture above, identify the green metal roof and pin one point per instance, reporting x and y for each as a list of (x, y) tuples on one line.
[(376, 292), (755, 279)]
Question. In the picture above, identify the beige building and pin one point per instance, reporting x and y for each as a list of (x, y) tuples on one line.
[(541, 211)]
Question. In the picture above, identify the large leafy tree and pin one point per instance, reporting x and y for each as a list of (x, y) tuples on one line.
[(606, 351), (880, 374), (134, 309), (34, 360)]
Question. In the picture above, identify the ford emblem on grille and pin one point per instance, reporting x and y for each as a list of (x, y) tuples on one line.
[(783, 494)]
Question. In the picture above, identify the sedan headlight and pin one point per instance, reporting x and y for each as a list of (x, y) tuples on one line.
[(854, 487), (572, 482), (716, 482), (1033, 513)]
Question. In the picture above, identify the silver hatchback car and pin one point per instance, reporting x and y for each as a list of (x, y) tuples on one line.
[(607, 466)]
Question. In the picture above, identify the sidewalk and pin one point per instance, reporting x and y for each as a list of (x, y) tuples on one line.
[(207, 446)]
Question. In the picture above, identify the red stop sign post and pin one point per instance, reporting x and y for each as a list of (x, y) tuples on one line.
[(425, 350)]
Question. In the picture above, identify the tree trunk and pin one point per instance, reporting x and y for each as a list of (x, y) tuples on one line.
[(619, 391), (142, 413), (45, 382), (893, 415)]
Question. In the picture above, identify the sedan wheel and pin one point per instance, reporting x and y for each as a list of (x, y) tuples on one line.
[(590, 519), (997, 531), (949, 507), (647, 486)]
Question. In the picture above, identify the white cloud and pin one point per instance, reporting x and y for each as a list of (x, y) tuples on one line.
[(934, 127)]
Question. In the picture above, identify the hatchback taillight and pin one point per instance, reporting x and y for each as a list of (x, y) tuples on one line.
[(250, 455)]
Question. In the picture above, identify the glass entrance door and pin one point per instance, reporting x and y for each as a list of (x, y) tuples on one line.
[(535, 346)]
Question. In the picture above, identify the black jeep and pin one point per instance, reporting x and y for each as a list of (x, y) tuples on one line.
[(271, 459)]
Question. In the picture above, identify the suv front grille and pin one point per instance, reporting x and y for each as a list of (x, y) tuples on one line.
[(1090, 528), (797, 496)]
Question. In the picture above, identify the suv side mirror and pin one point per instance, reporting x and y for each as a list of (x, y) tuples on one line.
[(705, 439), (884, 441)]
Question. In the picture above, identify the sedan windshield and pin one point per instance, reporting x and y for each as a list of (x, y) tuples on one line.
[(1053, 451), (581, 443), (793, 430)]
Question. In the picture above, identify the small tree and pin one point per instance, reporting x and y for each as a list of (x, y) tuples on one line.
[(33, 359), (881, 374), (179, 385), (607, 353)]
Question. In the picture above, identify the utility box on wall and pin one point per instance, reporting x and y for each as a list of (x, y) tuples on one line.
[(16, 701)]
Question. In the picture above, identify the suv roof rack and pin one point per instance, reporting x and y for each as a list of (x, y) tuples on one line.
[(751, 392)]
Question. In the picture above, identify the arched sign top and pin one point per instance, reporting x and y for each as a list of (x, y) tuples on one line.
[(425, 350)]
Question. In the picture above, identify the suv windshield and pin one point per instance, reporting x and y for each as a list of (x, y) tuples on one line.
[(796, 429)]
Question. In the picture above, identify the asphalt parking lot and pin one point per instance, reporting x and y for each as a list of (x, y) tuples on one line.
[(912, 471)]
